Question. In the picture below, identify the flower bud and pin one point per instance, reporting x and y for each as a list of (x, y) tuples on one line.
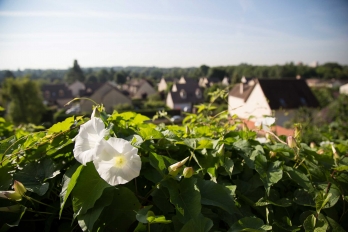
[(11, 195), (175, 168), (312, 145), (291, 141), (320, 151), (335, 155), (272, 154), (188, 172), (19, 188), (298, 131)]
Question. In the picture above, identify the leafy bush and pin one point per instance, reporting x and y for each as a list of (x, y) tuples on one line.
[(211, 174)]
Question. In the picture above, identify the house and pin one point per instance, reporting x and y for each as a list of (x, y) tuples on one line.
[(270, 97), (56, 94), (344, 89), (317, 83), (139, 88), (90, 89), (163, 84), (108, 95), (208, 81), (184, 96), (76, 87)]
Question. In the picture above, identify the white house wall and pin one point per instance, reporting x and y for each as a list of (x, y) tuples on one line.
[(169, 101), (344, 89), (256, 105)]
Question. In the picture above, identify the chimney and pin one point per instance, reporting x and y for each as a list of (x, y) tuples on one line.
[(241, 88)]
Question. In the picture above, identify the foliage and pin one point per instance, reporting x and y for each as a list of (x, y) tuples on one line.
[(25, 101), (74, 74), (238, 184)]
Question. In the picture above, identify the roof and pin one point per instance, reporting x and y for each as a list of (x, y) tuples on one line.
[(90, 89), (190, 89), (247, 89), (288, 94), (53, 92), (280, 93)]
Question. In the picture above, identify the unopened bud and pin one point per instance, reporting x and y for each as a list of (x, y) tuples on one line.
[(312, 145), (188, 172), (335, 155), (272, 154), (291, 141), (298, 131), (221, 150), (175, 168), (11, 195), (19, 188), (320, 151)]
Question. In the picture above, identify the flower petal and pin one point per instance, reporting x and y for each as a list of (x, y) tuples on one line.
[(106, 162), (89, 140)]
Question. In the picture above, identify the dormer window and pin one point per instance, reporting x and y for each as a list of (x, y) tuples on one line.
[(183, 94), (282, 102), (303, 101), (198, 93)]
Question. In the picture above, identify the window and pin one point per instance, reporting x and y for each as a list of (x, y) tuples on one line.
[(183, 94), (198, 93), (61, 93), (282, 102), (303, 101)]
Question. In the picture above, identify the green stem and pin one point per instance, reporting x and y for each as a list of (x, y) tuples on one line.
[(32, 199)]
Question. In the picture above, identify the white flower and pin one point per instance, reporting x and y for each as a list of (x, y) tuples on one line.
[(261, 140), (89, 139), (118, 161), (264, 123)]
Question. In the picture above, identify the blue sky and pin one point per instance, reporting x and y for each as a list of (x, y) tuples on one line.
[(166, 33)]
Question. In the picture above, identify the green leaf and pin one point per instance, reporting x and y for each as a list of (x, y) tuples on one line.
[(342, 168), (251, 224), (69, 181), (284, 202), (205, 143), (147, 132), (216, 195), (88, 189), (185, 197), (228, 165), (151, 218), (142, 214), (121, 213), (302, 197), (270, 172), (247, 151), (198, 224), (321, 200), (5, 177), (299, 178), (62, 126), (34, 175), (334, 226), (161, 199), (317, 225), (11, 216), (87, 220)]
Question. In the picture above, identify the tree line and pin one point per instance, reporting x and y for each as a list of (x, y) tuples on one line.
[(234, 72)]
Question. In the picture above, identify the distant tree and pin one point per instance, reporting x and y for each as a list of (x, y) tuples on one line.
[(217, 72), (74, 74), (9, 74), (91, 79), (103, 76), (25, 101), (120, 77), (204, 70)]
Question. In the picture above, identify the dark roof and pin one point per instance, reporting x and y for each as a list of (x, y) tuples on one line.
[(281, 93), (90, 89), (53, 92), (214, 80), (247, 89), (190, 89), (288, 94)]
